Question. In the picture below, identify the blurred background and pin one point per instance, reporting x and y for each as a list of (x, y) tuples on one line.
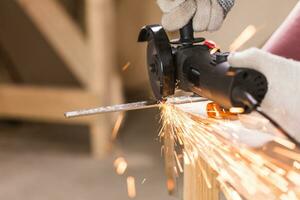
[(61, 55)]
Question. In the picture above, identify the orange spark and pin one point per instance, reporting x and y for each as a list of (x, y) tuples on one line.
[(214, 50), (170, 185), (242, 171), (120, 165), (178, 162), (285, 143), (296, 165), (244, 37), (287, 153), (117, 126), (204, 174), (294, 177), (131, 187), (126, 66), (237, 110)]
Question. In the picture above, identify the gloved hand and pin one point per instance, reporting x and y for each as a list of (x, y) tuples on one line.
[(208, 15), (282, 101)]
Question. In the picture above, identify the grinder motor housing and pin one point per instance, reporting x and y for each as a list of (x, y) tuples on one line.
[(190, 65)]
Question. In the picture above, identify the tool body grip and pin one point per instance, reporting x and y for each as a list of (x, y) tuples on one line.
[(211, 76)]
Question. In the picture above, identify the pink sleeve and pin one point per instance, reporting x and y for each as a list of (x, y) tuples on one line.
[(286, 40)]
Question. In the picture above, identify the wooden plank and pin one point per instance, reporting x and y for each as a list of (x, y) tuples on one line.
[(100, 136), (32, 56), (62, 33), (189, 182), (101, 37), (100, 16), (197, 186), (44, 104)]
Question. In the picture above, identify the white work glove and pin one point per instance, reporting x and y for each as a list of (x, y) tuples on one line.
[(282, 101), (208, 15)]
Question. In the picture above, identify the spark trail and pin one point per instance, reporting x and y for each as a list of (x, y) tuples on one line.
[(260, 173)]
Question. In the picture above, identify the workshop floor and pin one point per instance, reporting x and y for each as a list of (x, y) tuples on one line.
[(43, 161)]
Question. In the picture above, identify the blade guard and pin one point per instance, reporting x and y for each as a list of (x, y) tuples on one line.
[(160, 63)]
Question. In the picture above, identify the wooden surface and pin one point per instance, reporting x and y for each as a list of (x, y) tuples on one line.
[(195, 185), (48, 49), (43, 103), (100, 21), (62, 33), (33, 58)]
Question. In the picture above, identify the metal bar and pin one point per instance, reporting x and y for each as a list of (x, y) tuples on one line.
[(115, 108), (131, 106)]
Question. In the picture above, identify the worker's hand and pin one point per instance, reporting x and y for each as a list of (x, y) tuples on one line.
[(208, 15), (282, 101)]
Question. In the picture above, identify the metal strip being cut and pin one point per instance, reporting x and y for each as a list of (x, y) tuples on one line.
[(132, 106)]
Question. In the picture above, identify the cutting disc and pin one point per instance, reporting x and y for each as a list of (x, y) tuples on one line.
[(160, 63)]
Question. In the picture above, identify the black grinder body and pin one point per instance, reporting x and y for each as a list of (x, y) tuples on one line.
[(211, 76), (189, 64)]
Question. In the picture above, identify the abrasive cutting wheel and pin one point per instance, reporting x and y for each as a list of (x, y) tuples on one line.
[(160, 64)]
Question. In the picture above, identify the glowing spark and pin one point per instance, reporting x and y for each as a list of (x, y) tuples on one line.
[(292, 195), (290, 154), (242, 171), (296, 165), (204, 174), (178, 162), (175, 171), (186, 158), (236, 110), (170, 185), (214, 50), (285, 143), (162, 150), (120, 165), (170, 160), (131, 187), (294, 177), (228, 191), (117, 126), (244, 37), (126, 66)]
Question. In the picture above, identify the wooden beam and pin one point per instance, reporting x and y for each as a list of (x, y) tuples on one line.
[(62, 33), (101, 26), (200, 180), (101, 40), (199, 186), (32, 56), (44, 104)]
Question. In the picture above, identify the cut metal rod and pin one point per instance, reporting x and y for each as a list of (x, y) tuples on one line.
[(115, 108), (131, 106)]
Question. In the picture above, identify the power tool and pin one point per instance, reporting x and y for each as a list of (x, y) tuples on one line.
[(191, 64)]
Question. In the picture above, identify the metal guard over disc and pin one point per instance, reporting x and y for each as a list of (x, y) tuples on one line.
[(160, 61)]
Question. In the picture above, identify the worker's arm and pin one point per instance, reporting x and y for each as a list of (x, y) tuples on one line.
[(285, 41), (208, 15), (282, 102)]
